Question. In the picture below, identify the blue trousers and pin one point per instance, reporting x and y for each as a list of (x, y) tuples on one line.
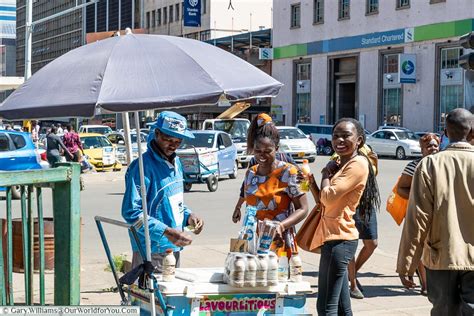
[(333, 285)]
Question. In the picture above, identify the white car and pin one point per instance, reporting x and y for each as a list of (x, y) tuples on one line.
[(294, 142), (400, 143)]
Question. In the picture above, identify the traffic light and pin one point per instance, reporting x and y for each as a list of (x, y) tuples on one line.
[(466, 61)]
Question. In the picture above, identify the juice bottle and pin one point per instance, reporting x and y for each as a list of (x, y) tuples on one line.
[(169, 266), (296, 271), (304, 184), (282, 267)]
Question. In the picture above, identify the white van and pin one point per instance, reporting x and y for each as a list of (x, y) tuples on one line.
[(237, 129), (98, 129)]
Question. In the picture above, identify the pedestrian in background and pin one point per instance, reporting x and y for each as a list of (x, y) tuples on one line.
[(53, 146), (429, 144), (72, 141), (438, 226), (60, 129)]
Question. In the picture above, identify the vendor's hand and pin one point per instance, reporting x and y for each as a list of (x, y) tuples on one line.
[(237, 214), (196, 222), (177, 238), (407, 281)]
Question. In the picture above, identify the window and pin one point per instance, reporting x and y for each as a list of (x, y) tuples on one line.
[(227, 141), (372, 7), (303, 92), (403, 4), (171, 14), (391, 93), (148, 20), (177, 12), (158, 15), (205, 35), (165, 15), (204, 6), (153, 18), (4, 143), (436, 1), (344, 9), (295, 15), (318, 11), (379, 135)]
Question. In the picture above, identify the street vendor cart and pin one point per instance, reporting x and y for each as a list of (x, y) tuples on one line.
[(202, 291)]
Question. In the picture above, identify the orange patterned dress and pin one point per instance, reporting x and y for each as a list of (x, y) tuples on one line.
[(272, 195)]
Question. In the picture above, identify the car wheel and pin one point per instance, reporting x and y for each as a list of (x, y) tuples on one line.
[(312, 159), (400, 153), (328, 150), (236, 169), (212, 183), (244, 165), (187, 186)]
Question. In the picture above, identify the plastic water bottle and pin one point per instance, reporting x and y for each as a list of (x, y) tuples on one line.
[(296, 270), (282, 267), (262, 270), (250, 278), (169, 266), (304, 184), (272, 274), (237, 271)]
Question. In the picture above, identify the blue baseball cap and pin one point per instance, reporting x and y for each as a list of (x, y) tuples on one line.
[(172, 124)]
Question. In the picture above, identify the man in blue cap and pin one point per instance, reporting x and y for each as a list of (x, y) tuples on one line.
[(167, 214)]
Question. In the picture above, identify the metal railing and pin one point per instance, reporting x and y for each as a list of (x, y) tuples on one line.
[(64, 182)]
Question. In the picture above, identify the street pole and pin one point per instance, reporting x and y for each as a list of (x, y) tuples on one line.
[(28, 32)]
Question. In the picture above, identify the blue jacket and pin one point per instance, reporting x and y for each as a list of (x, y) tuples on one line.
[(164, 189)]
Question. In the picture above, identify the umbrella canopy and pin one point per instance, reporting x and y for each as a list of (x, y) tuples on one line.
[(136, 72)]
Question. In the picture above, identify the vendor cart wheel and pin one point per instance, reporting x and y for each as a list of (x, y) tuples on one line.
[(244, 165), (187, 186), (235, 170), (212, 183)]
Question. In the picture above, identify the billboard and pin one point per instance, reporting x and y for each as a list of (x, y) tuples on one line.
[(192, 13)]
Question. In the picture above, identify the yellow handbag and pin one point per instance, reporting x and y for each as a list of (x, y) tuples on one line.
[(396, 205)]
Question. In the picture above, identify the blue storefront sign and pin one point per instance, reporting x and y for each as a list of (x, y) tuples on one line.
[(407, 68), (356, 42), (192, 13)]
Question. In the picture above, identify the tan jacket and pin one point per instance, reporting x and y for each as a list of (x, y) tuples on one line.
[(339, 201), (439, 224)]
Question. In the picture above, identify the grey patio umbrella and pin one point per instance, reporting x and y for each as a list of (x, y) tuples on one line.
[(133, 73), (136, 72)]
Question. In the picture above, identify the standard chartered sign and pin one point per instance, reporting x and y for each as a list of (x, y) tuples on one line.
[(407, 68), (381, 39)]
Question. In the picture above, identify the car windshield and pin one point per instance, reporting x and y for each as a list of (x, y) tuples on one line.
[(235, 128), (200, 140), (95, 142), (290, 133), (99, 130), (406, 135)]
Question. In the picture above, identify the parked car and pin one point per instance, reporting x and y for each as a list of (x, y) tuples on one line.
[(214, 142), (18, 152), (98, 129), (118, 139), (294, 142), (100, 152), (400, 143)]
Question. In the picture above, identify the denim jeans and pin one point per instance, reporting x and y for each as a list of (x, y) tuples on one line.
[(451, 292), (333, 285)]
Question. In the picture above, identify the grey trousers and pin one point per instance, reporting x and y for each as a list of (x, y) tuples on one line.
[(451, 292), (156, 260)]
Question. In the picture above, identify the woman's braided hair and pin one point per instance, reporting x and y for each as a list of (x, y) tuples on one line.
[(262, 126), (370, 199)]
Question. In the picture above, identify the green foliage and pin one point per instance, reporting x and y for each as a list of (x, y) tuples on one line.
[(118, 262)]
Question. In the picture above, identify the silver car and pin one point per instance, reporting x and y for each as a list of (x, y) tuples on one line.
[(400, 143), (294, 142)]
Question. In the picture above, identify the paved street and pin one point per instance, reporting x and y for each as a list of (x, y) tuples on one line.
[(103, 195)]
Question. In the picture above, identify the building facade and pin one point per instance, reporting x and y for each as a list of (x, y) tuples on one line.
[(57, 36), (7, 37), (219, 18), (340, 58)]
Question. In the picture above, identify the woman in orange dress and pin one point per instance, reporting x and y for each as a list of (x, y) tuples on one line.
[(271, 186)]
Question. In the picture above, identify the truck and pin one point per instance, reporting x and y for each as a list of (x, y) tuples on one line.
[(237, 129)]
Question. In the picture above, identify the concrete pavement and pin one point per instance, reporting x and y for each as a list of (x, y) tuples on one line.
[(103, 196)]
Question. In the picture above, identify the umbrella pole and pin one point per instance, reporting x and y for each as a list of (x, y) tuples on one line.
[(145, 213)]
